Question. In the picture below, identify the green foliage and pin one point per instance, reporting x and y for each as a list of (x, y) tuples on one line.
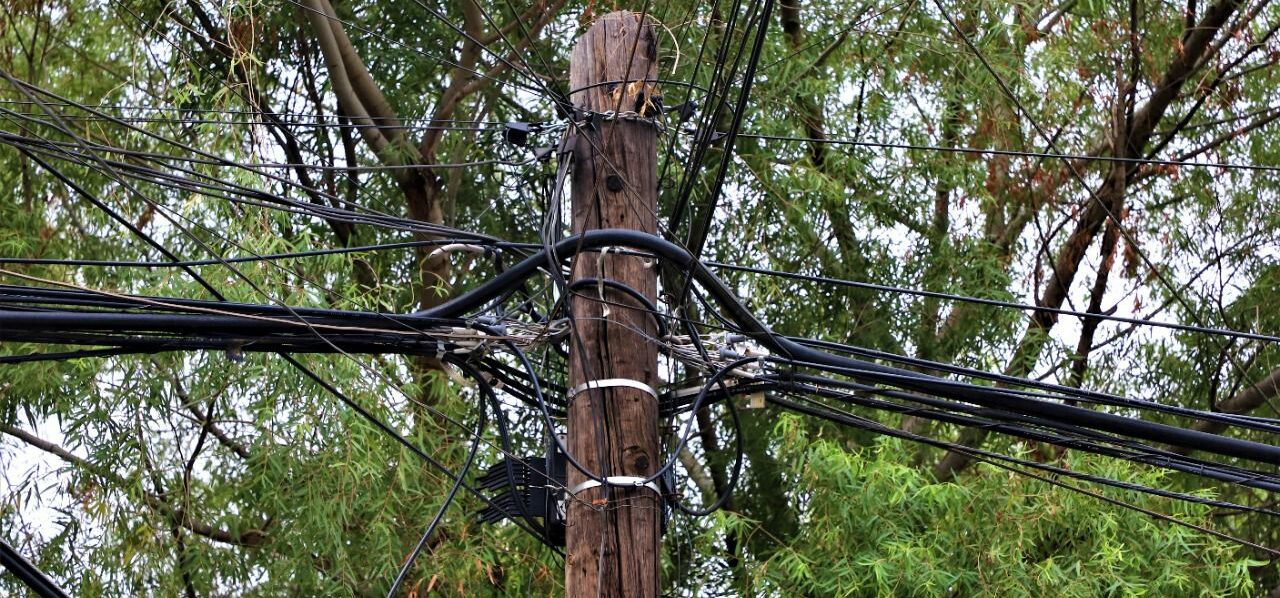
[(874, 526), (301, 497)]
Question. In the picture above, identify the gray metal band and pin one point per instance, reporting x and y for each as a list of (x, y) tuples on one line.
[(622, 481), (611, 383)]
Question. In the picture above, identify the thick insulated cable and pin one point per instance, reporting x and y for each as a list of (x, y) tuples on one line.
[(978, 395)]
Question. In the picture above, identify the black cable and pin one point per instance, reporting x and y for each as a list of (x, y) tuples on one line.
[(509, 460), (645, 303), (1057, 390), (906, 435), (289, 359), (996, 302), (1030, 428), (199, 279), (221, 189), (64, 355), (29, 574), (454, 125), (538, 88), (734, 474), (1025, 404), (692, 86), (293, 313), (981, 455), (99, 107), (1007, 152), (714, 380), (894, 376), (448, 498), (543, 406), (255, 258), (1107, 211), (551, 230), (387, 430), (54, 322), (27, 88), (512, 379), (984, 396), (711, 107), (698, 234), (998, 398)]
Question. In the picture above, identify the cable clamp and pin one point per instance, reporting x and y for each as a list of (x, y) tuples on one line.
[(611, 383), (620, 481)]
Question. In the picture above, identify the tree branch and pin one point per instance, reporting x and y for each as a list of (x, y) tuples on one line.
[(1244, 401), (1108, 202), (701, 478), (250, 538), (320, 13)]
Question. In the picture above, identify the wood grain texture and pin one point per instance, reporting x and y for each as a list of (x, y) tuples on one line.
[(613, 537)]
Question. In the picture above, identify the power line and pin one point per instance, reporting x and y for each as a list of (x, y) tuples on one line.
[(453, 491), (318, 123), (993, 459), (297, 365), (998, 303), (256, 258), (1107, 210), (1019, 153), (426, 121), (132, 324), (28, 574)]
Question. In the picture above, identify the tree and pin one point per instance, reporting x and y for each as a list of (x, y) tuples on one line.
[(899, 144)]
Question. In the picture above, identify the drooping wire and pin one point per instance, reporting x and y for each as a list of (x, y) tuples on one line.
[(987, 457), (453, 490), (1269, 338), (302, 368), (1016, 153)]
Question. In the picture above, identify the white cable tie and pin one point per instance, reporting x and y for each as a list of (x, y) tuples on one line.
[(621, 481), (611, 383), (456, 247)]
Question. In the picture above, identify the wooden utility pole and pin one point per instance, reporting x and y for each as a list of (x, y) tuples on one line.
[(613, 532)]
